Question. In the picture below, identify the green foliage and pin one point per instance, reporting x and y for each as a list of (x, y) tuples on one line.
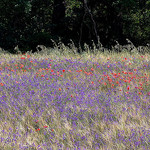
[(137, 22), (71, 6), (27, 23)]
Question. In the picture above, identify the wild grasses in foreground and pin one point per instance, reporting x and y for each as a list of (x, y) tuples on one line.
[(95, 102)]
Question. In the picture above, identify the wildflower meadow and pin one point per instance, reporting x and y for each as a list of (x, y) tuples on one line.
[(51, 101)]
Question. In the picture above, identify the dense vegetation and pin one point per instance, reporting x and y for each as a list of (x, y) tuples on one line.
[(74, 102), (28, 23), (60, 99)]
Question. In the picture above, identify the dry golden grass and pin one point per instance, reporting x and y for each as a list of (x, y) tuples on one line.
[(129, 125)]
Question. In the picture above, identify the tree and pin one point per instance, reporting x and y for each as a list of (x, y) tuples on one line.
[(58, 17), (28, 23)]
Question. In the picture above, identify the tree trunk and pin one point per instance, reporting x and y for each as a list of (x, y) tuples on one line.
[(58, 16)]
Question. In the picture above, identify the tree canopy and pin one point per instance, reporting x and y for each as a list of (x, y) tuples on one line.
[(28, 23)]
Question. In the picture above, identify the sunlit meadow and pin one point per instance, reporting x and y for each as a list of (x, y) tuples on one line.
[(51, 101)]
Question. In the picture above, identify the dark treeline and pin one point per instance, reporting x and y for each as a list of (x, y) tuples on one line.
[(28, 23)]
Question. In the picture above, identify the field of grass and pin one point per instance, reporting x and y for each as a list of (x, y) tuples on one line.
[(75, 102)]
